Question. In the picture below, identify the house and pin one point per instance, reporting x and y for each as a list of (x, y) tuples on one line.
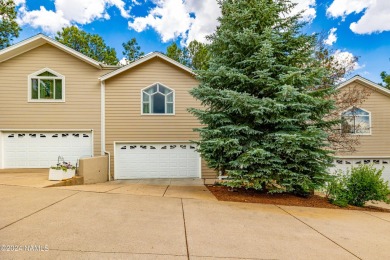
[(371, 122), (55, 101)]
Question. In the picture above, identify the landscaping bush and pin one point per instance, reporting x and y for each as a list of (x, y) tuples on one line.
[(336, 190), (357, 186)]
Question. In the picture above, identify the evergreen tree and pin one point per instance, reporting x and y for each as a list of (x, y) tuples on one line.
[(91, 45), (9, 28), (132, 50), (264, 115)]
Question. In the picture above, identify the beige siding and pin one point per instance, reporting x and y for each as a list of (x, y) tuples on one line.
[(82, 93), (124, 121), (378, 143)]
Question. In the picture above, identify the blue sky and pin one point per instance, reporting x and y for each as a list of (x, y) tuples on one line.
[(350, 27)]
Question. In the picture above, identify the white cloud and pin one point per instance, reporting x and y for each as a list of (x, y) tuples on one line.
[(205, 22), (375, 17), (47, 20), (19, 2), (86, 11), (68, 12), (342, 8), (188, 19), (308, 8), (346, 60), (123, 61), (332, 37)]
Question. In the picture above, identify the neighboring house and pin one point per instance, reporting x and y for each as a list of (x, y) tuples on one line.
[(371, 121), (55, 101)]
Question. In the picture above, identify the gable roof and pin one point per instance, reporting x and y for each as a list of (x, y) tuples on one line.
[(144, 59), (39, 40), (365, 82)]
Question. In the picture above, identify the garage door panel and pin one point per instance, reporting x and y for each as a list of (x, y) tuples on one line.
[(156, 161), (41, 150), (378, 163)]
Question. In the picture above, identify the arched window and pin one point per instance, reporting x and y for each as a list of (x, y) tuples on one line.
[(46, 85), (356, 121), (158, 99)]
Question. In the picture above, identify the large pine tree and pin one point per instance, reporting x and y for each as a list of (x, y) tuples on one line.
[(264, 112)]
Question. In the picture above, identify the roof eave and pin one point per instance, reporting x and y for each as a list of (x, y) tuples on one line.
[(13, 49), (142, 60), (366, 82)]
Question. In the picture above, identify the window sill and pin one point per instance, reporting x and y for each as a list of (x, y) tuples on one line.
[(46, 101), (157, 114), (362, 134)]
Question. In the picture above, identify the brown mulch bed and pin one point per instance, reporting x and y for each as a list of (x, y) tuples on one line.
[(251, 196)]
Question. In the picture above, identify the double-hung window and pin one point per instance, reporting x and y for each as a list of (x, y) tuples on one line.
[(46, 86)]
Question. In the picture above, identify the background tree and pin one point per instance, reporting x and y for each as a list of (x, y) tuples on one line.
[(195, 56), (91, 45), (386, 80), (9, 28), (132, 50), (265, 103), (178, 54), (352, 96), (199, 55)]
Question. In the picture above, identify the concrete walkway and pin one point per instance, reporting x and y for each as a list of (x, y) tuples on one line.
[(75, 224), (171, 188)]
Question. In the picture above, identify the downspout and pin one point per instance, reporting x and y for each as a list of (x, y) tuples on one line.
[(103, 125), (109, 165), (102, 117)]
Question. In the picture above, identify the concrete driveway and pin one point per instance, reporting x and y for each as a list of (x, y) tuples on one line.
[(26, 177), (94, 225)]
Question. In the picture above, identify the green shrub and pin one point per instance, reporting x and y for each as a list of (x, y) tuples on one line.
[(336, 189), (365, 183), (357, 186)]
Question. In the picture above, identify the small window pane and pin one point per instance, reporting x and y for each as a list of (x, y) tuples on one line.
[(170, 97), (46, 89), (158, 104), (355, 112), (151, 90), (47, 74), (146, 109), (164, 90), (34, 89), (58, 92), (347, 125), (362, 124), (145, 97), (169, 108)]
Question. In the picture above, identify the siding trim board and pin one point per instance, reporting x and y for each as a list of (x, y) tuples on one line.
[(103, 117)]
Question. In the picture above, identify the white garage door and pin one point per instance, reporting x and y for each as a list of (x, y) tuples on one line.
[(344, 164), (41, 149), (136, 161)]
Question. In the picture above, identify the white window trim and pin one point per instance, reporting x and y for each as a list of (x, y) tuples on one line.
[(34, 75), (165, 114), (369, 120)]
